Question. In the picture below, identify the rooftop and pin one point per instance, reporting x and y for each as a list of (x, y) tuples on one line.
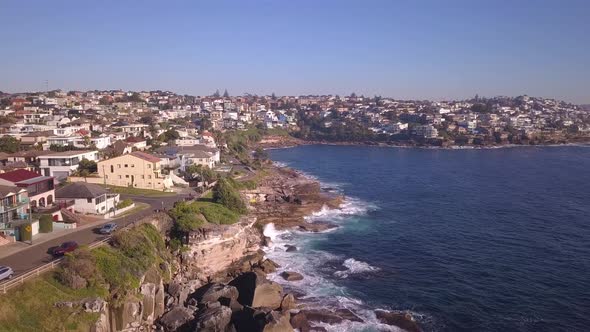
[(66, 153), (19, 175), (80, 190)]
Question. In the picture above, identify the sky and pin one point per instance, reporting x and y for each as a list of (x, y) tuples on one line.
[(439, 50)]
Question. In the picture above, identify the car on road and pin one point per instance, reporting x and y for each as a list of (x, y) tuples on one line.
[(6, 273), (108, 228), (65, 248)]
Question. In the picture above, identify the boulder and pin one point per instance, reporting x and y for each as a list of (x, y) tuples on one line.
[(268, 266), (290, 248), (288, 302), (316, 227), (266, 241), (247, 283), (278, 322), (94, 305), (291, 276), (323, 315), (213, 318), (299, 321), (403, 320), (225, 294), (268, 295), (178, 317)]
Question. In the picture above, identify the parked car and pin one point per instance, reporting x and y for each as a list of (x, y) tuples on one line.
[(108, 228), (6, 273), (65, 248)]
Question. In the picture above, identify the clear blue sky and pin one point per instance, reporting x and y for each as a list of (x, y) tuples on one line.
[(437, 49)]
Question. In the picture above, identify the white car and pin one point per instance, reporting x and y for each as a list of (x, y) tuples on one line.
[(6, 273)]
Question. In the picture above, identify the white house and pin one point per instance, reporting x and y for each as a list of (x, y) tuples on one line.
[(88, 198), (61, 164)]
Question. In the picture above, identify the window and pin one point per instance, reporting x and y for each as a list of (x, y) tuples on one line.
[(89, 200), (126, 165), (132, 165), (143, 176), (112, 169), (149, 176), (119, 165), (127, 176), (119, 176), (149, 165)]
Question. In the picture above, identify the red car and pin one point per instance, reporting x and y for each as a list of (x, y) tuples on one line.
[(65, 248)]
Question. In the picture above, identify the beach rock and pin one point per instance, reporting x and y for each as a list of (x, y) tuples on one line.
[(255, 291), (291, 276), (346, 314), (299, 321), (288, 302), (268, 266), (94, 305), (225, 294), (176, 318), (403, 320), (290, 248), (278, 322), (268, 295), (316, 227), (213, 318), (323, 315)]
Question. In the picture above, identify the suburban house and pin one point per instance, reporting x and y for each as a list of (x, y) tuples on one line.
[(14, 211), (137, 169), (61, 164), (196, 154), (88, 198), (40, 189)]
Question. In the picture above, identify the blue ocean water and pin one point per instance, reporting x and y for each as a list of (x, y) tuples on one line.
[(467, 240)]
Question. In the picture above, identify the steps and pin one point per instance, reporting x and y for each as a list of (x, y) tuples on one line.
[(70, 216)]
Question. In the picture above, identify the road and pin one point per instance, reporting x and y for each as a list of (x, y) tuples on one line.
[(37, 255)]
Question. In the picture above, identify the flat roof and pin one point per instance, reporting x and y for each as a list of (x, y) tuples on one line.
[(67, 153)]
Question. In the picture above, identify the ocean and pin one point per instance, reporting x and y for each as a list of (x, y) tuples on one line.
[(466, 240)]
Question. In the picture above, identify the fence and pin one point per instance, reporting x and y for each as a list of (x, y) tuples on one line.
[(19, 280)]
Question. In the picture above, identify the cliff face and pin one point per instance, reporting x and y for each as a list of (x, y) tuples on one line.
[(211, 254), (212, 251)]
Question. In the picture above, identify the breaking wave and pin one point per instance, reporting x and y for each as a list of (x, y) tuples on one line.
[(355, 267)]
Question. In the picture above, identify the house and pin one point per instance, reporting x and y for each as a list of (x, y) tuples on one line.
[(40, 189), (14, 212), (61, 164), (88, 198), (137, 169)]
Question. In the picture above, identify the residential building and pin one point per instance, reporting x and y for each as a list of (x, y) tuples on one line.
[(62, 164), (14, 210), (137, 169), (40, 189), (88, 198)]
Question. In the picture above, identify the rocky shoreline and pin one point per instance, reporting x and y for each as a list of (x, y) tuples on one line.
[(288, 142)]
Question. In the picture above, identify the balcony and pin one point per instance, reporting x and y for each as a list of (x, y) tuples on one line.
[(13, 206), (57, 205)]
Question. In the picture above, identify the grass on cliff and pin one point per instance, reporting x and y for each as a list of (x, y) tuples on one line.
[(31, 307), (140, 192)]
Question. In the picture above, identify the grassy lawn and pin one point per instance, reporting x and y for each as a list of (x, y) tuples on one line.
[(140, 192), (30, 307)]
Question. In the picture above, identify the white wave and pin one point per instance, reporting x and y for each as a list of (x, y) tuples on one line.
[(355, 267)]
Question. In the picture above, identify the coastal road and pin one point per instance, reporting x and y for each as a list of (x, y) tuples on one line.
[(37, 255)]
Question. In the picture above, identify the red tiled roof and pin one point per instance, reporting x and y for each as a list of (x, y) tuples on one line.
[(145, 156), (19, 175)]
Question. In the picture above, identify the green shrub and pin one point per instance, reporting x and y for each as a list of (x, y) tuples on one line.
[(219, 214), (224, 193), (124, 203), (46, 224)]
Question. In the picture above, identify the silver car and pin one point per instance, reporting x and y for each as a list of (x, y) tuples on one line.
[(6, 273)]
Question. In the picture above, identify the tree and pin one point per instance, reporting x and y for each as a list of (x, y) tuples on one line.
[(273, 96), (87, 167), (228, 196), (225, 94), (203, 172), (169, 135), (9, 144)]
